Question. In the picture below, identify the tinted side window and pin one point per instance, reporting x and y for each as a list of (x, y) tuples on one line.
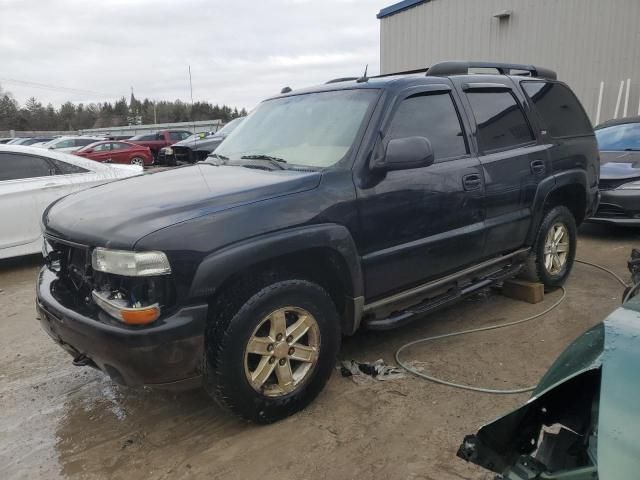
[(501, 122), (559, 108), (432, 116), (178, 135), (146, 138), (15, 166), (81, 142), (103, 147), (66, 168)]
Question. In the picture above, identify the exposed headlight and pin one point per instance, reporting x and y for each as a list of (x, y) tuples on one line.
[(168, 151), (630, 186), (130, 264), (118, 309)]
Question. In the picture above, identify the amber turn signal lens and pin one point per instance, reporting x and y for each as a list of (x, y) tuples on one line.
[(140, 316)]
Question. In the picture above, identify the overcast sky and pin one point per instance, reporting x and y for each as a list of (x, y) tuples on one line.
[(240, 51)]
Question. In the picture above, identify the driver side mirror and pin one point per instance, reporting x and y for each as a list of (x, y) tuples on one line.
[(406, 153), (89, 150)]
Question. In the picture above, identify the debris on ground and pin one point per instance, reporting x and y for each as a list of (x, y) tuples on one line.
[(364, 371)]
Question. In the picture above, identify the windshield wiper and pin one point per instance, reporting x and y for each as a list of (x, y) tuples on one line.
[(261, 156), (217, 155), (275, 161)]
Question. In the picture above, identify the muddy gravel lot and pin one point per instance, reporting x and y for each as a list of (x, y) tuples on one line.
[(61, 421)]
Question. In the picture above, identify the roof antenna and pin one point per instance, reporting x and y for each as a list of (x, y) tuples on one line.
[(285, 90), (364, 77)]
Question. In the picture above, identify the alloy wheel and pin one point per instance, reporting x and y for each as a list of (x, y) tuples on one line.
[(282, 352), (556, 248), (137, 161)]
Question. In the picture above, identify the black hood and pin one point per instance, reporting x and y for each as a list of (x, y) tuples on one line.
[(118, 214), (207, 143), (619, 165)]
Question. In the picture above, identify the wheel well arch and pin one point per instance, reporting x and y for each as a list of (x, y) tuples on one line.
[(572, 196), (323, 253), (321, 265), (568, 189)]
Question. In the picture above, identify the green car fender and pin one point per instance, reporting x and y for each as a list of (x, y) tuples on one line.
[(593, 391)]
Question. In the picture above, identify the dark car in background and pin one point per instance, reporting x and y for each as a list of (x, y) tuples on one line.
[(619, 144), (28, 140), (196, 148), (117, 152)]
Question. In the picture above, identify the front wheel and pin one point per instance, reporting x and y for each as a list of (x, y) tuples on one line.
[(137, 161), (269, 356), (554, 251)]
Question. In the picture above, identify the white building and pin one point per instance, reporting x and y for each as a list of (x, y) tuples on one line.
[(593, 45)]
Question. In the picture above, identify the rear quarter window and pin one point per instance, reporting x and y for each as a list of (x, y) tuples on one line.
[(65, 168), (558, 108), (500, 120)]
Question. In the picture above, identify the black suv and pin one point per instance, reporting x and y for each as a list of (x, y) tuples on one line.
[(359, 203)]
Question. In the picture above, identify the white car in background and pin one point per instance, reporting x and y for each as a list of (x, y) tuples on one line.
[(68, 143), (31, 179)]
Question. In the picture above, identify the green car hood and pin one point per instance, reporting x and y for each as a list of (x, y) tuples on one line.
[(605, 361)]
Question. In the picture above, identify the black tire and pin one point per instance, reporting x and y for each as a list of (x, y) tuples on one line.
[(535, 269), (235, 317)]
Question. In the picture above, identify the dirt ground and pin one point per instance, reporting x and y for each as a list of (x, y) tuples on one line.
[(61, 421)]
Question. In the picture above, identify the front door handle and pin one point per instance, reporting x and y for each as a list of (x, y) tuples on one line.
[(537, 166), (472, 181)]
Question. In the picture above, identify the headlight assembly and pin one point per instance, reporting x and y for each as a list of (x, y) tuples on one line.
[(130, 264), (168, 151)]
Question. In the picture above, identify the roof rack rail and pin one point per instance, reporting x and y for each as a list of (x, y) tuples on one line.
[(404, 72), (342, 79), (462, 68)]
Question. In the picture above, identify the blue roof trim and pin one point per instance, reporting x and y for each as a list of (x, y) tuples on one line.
[(398, 7)]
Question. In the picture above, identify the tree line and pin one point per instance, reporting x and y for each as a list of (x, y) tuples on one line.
[(33, 115)]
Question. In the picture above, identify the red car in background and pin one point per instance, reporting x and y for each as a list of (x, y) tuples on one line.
[(111, 151)]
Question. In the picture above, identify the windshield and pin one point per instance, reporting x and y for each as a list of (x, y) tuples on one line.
[(230, 127), (619, 137), (314, 129)]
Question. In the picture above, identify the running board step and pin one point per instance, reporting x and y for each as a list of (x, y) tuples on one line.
[(405, 316)]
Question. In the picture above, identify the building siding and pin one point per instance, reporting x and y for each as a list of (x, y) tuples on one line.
[(585, 41)]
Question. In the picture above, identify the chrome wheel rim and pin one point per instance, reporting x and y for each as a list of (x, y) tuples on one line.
[(556, 248), (282, 351), (137, 161)]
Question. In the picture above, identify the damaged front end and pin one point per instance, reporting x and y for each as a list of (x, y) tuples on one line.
[(583, 418)]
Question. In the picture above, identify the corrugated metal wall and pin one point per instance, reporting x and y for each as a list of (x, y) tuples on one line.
[(585, 41)]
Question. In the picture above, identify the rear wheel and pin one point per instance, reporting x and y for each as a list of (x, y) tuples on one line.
[(269, 356), (553, 253), (137, 161)]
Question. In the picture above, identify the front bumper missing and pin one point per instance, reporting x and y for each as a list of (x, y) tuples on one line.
[(167, 353)]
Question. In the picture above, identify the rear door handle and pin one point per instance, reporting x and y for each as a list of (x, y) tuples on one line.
[(472, 181), (537, 166)]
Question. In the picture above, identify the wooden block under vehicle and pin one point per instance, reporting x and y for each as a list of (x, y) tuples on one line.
[(522, 290)]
